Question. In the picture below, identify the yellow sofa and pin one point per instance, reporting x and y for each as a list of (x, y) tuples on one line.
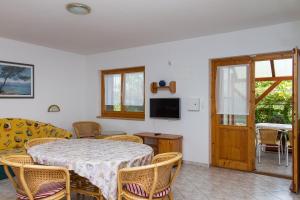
[(15, 132)]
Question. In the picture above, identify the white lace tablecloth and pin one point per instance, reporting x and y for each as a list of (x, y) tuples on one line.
[(96, 160)]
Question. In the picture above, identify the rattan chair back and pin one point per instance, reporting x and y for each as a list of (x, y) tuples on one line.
[(86, 129), (30, 177), (82, 186), (126, 138), (268, 136), (164, 157), (152, 178), (37, 141)]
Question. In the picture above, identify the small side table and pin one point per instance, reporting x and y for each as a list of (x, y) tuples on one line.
[(162, 143), (107, 133)]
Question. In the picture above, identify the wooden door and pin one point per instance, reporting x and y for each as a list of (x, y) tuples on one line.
[(233, 135), (296, 117)]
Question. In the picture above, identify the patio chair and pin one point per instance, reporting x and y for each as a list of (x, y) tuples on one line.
[(269, 138), (288, 145)]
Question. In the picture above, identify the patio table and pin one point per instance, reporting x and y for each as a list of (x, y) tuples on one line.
[(274, 126)]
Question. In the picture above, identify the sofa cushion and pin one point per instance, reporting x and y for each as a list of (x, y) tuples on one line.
[(15, 132)]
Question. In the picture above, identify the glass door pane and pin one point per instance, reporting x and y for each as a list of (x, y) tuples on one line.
[(232, 94), (283, 67)]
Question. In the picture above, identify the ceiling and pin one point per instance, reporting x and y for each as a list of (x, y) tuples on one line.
[(118, 24)]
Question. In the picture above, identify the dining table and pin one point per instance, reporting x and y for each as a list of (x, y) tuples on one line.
[(95, 159)]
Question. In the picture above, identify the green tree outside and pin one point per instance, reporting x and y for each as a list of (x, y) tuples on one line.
[(276, 107)]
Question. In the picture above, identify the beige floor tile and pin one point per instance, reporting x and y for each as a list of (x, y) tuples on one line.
[(269, 164)]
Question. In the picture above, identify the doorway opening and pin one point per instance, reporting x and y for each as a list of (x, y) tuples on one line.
[(273, 116), (254, 114)]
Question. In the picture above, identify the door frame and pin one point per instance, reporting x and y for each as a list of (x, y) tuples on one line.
[(294, 54), (286, 55), (295, 140)]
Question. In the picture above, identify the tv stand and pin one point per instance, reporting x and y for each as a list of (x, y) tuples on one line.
[(162, 143)]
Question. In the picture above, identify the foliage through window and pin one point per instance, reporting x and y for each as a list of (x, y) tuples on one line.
[(122, 93), (276, 107)]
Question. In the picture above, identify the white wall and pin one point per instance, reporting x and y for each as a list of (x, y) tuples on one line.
[(58, 80), (190, 69), (72, 81)]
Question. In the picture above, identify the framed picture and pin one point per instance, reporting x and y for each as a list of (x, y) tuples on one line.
[(16, 80)]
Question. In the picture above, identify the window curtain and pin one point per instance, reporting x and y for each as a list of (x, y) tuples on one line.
[(232, 90), (113, 89), (134, 89)]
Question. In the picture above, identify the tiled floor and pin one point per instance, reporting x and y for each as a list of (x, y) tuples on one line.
[(200, 183), (269, 164)]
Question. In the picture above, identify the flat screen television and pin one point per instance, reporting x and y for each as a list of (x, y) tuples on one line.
[(165, 108)]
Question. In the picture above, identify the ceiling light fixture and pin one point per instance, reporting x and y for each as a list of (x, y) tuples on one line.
[(78, 8)]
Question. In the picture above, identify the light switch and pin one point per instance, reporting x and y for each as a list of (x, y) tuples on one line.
[(193, 104)]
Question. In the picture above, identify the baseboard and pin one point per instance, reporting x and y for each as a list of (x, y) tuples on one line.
[(196, 163)]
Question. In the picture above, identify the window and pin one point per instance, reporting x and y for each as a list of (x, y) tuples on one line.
[(274, 68), (123, 93), (263, 69), (232, 94)]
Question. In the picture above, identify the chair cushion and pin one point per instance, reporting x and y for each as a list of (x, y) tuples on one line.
[(137, 190), (45, 190)]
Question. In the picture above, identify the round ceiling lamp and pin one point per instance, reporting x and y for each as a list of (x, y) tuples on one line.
[(78, 8)]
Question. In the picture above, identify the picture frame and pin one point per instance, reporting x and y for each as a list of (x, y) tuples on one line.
[(16, 80)]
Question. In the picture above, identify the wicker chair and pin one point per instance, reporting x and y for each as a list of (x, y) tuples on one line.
[(37, 141), (269, 137), (82, 186), (37, 181), (87, 129), (150, 182), (126, 138), (288, 145)]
